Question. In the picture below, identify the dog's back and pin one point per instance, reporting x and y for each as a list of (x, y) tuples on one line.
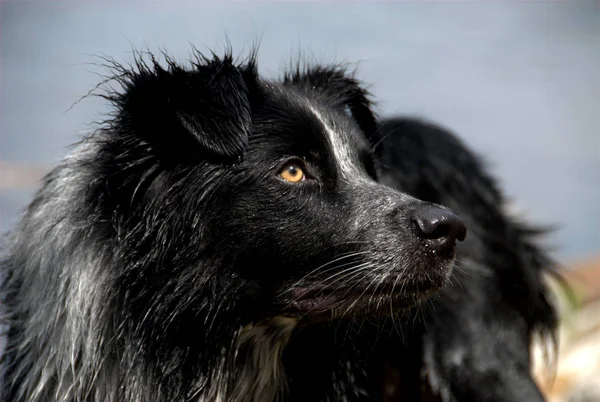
[(478, 333)]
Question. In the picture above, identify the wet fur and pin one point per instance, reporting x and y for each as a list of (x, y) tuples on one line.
[(151, 266)]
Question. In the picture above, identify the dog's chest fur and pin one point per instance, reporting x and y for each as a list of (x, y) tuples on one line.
[(254, 371)]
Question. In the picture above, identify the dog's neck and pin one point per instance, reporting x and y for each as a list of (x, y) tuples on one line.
[(253, 371)]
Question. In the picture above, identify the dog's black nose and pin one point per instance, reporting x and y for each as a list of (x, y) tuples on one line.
[(441, 227)]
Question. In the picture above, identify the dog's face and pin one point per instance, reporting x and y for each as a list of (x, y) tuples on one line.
[(310, 225), (276, 185)]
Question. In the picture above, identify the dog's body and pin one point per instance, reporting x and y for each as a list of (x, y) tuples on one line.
[(227, 238)]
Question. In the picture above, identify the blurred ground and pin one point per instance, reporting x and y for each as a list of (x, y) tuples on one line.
[(577, 376)]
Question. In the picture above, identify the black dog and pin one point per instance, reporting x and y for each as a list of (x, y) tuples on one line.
[(227, 238)]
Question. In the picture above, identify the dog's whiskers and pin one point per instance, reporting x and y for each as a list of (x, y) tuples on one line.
[(340, 258), (358, 298), (392, 314), (346, 275)]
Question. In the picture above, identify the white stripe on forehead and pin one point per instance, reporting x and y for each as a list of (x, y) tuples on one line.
[(342, 150)]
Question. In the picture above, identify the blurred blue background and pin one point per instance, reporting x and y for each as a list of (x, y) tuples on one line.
[(519, 81)]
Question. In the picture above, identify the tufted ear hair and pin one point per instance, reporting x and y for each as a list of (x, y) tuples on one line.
[(187, 115), (337, 83)]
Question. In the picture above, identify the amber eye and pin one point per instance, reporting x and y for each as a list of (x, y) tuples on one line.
[(292, 173)]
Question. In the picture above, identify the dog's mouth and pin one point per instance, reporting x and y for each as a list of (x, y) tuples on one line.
[(374, 294), (322, 303), (317, 300)]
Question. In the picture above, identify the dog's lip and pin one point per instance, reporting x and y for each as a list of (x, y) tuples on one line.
[(311, 300), (316, 299)]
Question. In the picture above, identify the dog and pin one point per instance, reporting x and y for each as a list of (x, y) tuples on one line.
[(223, 237)]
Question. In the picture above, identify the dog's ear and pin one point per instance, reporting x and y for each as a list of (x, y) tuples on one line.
[(188, 115), (341, 86)]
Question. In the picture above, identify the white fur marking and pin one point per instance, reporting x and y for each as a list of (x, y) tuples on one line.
[(341, 149), (255, 373)]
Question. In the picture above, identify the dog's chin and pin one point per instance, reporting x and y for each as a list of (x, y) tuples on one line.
[(317, 303)]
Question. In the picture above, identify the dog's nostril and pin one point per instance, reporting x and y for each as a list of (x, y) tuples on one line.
[(437, 223)]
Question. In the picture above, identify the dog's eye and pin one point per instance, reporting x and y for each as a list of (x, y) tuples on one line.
[(292, 173)]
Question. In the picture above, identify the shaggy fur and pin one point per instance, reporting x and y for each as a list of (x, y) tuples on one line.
[(167, 259)]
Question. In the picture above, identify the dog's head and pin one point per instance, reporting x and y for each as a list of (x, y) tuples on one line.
[(265, 195)]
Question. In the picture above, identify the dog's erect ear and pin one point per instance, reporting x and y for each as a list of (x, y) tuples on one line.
[(189, 115), (337, 83)]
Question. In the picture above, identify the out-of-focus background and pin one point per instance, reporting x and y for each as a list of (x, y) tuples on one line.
[(518, 81)]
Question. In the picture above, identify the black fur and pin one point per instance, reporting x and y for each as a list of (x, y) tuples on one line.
[(166, 259), (479, 331)]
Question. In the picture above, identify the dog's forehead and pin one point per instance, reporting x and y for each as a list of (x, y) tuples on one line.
[(343, 138), (319, 125)]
